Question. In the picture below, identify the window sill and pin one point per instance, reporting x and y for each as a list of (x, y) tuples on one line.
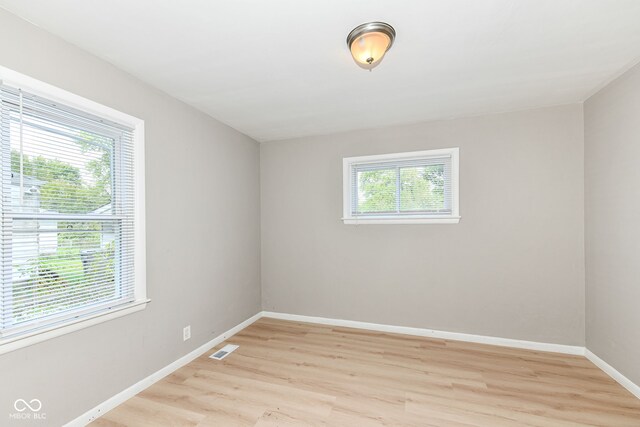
[(34, 337), (396, 220)]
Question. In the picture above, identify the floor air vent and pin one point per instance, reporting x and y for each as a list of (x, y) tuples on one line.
[(223, 352)]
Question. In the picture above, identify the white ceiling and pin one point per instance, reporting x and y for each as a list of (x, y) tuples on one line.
[(277, 69)]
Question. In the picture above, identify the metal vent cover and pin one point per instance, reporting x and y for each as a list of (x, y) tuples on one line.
[(223, 352)]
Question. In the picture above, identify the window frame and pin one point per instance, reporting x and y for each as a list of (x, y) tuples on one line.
[(348, 163), (55, 94)]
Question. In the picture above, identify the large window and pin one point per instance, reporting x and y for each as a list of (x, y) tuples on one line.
[(416, 187), (69, 198)]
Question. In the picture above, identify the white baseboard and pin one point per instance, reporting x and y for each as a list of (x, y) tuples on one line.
[(613, 373), (454, 336), (128, 393)]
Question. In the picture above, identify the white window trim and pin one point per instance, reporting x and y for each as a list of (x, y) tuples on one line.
[(349, 162), (56, 94)]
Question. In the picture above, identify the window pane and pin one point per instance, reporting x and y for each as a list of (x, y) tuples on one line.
[(58, 265), (376, 191), (422, 189), (57, 168), (61, 265)]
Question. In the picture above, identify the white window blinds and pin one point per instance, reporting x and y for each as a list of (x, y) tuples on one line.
[(403, 186), (421, 186), (67, 213)]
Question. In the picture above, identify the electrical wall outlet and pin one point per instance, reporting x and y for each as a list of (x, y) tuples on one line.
[(186, 333)]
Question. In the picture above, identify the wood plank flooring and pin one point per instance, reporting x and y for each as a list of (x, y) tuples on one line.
[(299, 374)]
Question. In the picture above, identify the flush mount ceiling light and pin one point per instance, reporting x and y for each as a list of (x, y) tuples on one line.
[(369, 42)]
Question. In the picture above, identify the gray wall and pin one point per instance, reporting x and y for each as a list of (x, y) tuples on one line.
[(513, 267), (612, 208), (203, 232)]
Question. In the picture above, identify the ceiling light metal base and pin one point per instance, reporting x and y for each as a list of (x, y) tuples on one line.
[(371, 27)]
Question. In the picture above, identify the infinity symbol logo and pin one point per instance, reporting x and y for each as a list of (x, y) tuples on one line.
[(21, 405)]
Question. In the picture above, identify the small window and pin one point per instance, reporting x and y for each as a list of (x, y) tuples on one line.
[(403, 188), (71, 229)]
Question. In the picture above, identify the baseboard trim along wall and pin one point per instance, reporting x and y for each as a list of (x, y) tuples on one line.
[(613, 373), (128, 393), (454, 336)]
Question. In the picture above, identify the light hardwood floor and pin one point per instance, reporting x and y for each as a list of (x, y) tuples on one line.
[(290, 373)]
